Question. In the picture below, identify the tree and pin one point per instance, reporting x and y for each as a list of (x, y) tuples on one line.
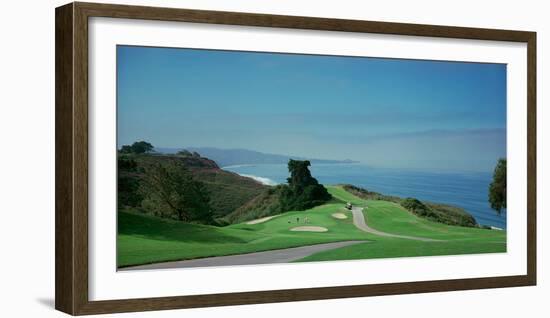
[(142, 147), (137, 147), (300, 176), (303, 191), (497, 189), (170, 190), (126, 149)]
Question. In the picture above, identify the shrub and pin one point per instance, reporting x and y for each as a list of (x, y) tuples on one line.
[(415, 206)]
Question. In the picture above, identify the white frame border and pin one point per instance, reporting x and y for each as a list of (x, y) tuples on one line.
[(106, 283)]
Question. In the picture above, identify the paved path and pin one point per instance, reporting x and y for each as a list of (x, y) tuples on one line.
[(359, 221), (268, 257)]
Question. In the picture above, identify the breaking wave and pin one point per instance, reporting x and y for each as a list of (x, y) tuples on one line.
[(262, 180)]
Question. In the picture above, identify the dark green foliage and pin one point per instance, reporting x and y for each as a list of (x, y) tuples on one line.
[(138, 147), (300, 176), (126, 149), (441, 213), (436, 212), (497, 189), (370, 195), (128, 182), (303, 191), (128, 194), (417, 207), (265, 204), (169, 189), (451, 215), (187, 153), (126, 163)]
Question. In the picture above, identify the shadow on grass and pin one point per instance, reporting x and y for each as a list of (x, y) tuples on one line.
[(150, 227)]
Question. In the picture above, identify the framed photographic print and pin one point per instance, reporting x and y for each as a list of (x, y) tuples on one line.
[(210, 158)]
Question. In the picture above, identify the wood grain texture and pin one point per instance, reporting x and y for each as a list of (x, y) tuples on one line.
[(532, 158), (166, 303), (64, 235), (298, 22), (80, 146), (72, 157)]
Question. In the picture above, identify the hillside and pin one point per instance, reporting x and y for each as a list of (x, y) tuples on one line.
[(436, 212), (231, 190), (230, 157), (267, 203), (301, 192), (235, 199), (189, 187)]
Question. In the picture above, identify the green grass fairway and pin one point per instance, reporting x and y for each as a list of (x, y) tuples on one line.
[(391, 217), (391, 248), (144, 239)]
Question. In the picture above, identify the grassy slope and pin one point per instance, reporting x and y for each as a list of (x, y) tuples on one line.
[(392, 218), (144, 239), (232, 190), (264, 204), (441, 213)]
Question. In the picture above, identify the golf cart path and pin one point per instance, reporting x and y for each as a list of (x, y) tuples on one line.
[(267, 257), (359, 221)]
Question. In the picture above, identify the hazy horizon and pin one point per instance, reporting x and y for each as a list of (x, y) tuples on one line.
[(383, 112)]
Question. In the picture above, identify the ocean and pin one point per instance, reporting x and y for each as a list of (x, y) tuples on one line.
[(468, 190)]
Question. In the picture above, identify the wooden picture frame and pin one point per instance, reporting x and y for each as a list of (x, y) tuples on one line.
[(71, 90)]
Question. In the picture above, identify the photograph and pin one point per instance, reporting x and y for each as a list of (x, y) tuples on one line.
[(233, 158)]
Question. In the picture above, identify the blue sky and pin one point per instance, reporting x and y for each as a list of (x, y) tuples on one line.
[(383, 112)]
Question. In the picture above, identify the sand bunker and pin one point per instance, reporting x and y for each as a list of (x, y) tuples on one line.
[(262, 220), (309, 229), (340, 216)]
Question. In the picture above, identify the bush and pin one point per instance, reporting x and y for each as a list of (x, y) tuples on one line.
[(128, 194), (451, 215), (128, 182), (415, 206), (370, 195), (127, 164)]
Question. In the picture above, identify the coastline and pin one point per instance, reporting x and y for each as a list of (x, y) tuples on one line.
[(465, 190)]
